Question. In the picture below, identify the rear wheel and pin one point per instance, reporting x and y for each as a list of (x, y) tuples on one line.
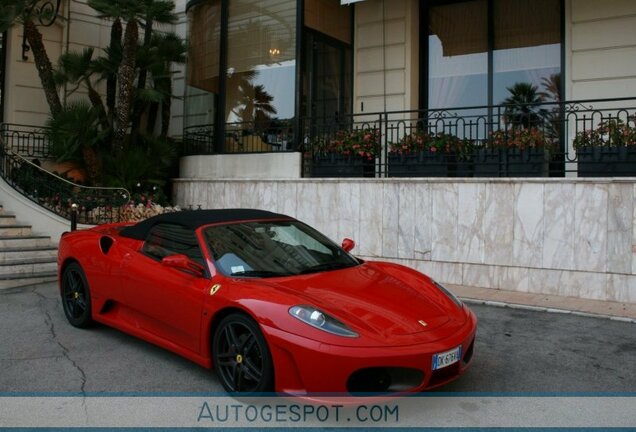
[(76, 296), (241, 357)]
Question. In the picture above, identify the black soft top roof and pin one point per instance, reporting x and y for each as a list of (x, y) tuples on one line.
[(195, 218)]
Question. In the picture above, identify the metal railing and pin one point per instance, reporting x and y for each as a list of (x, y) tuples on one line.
[(92, 205), (590, 138), (239, 137), (28, 141)]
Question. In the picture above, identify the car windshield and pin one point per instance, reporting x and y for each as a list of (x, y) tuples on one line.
[(273, 248)]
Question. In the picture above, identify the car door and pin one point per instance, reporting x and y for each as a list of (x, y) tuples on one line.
[(166, 301)]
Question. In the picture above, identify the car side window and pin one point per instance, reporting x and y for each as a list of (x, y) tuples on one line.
[(170, 239)]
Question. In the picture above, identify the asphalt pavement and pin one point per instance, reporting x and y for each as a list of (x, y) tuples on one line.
[(516, 351)]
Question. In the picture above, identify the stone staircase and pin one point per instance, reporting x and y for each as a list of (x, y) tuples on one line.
[(25, 259)]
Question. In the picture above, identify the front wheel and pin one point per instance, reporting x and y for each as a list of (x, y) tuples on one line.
[(76, 296), (241, 357)]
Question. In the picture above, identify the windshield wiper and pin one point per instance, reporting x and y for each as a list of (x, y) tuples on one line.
[(259, 273), (326, 266)]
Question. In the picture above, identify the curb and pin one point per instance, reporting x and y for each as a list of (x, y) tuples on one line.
[(545, 309)]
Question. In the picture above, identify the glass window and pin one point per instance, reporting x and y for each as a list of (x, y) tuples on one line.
[(458, 55), (269, 249), (261, 62), (169, 239), (203, 62), (527, 49), (472, 49)]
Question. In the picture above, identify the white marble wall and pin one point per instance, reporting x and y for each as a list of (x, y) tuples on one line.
[(570, 237)]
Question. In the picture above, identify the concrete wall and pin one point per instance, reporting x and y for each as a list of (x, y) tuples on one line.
[(569, 237), (386, 55), (75, 29), (600, 48), (252, 165)]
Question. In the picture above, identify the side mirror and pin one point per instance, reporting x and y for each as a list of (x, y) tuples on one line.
[(182, 262), (348, 245)]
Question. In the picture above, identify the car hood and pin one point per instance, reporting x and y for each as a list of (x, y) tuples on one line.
[(386, 302)]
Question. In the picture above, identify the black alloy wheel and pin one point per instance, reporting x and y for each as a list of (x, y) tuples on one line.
[(241, 357), (76, 296)]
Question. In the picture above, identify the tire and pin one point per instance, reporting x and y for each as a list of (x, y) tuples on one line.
[(76, 296), (241, 356)]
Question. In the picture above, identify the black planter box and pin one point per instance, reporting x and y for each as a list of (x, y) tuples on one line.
[(510, 163), (527, 163), (606, 161), (420, 164), (488, 163), (337, 165)]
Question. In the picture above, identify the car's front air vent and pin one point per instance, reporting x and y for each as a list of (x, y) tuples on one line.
[(105, 244)]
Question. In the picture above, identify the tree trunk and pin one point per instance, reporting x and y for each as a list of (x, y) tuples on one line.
[(126, 84), (43, 65), (96, 101), (141, 81), (111, 81), (92, 164), (165, 111)]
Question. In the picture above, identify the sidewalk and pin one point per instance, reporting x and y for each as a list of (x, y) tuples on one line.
[(549, 303)]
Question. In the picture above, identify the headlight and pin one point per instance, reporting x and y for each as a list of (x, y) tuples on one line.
[(450, 295), (316, 318)]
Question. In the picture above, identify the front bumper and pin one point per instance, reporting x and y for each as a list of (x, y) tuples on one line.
[(303, 366)]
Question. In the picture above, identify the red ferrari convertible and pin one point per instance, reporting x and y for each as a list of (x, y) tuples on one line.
[(270, 303)]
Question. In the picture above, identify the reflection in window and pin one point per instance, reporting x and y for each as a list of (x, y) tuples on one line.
[(525, 46), (203, 62), (169, 239), (261, 63), (458, 55)]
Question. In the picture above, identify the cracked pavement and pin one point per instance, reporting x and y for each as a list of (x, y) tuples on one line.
[(516, 351)]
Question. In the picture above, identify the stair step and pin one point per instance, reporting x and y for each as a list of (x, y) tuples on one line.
[(31, 266), (18, 280), (15, 230), (7, 219), (24, 241), (10, 255)]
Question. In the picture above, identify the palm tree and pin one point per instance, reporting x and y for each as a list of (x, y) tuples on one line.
[(552, 87), (257, 106), (78, 68), (135, 13), (168, 48), (522, 106), (14, 12), (552, 92)]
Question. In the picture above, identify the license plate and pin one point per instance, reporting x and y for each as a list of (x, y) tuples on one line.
[(447, 358)]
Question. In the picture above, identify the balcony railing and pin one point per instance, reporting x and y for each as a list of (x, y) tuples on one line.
[(588, 137), (23, 149), (25, 140), (240, 137)]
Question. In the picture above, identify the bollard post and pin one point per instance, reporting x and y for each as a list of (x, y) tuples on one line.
[(73, 217)]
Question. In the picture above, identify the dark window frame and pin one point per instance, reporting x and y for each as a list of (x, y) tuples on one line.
[(424, 52), (344, 48), (3, 63)]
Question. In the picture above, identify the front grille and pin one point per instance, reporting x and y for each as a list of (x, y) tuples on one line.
[(384, 380), (440, 376)]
